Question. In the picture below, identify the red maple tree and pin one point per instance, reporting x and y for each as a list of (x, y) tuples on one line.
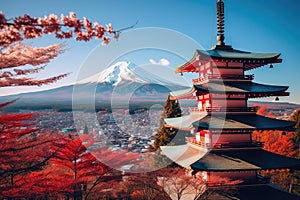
[(34, 164), (74, 172), (22, 150), (279, 142), (276, 141)]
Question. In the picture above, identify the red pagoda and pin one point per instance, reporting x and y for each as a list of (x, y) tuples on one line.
[(222, 123)]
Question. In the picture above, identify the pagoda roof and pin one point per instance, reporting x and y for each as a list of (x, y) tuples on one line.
[(253, 191), (237, 54), (243, 121), (249, 59), (196, 158), (246, 159), (185, 122), (184, 94), (229, 121), (252, 89), (184, 155), (239, 87)]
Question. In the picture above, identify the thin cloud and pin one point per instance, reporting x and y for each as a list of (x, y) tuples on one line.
[(162, 61)]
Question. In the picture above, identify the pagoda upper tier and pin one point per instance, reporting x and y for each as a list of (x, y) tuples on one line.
[(228, 57), (249, 89)]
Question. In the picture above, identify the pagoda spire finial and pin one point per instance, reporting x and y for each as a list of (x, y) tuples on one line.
[(220, 22)]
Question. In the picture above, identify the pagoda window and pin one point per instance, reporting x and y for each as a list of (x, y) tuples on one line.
[(208, 72), (207, 103), (203, 137), (198, 137), (200, 105), (206, 96), (207, 139), (207, 65), (204, 175), (201, 69)]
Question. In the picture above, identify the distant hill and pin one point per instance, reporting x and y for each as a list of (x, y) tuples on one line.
[(275, 105), (279, 109)]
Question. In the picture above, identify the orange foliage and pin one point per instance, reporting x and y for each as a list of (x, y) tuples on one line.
[(22, 151), (279, 142)]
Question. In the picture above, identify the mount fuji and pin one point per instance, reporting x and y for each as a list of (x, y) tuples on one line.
[(118, 73), (122, 81)]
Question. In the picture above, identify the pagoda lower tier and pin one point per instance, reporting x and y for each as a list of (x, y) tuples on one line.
[(250, 192), (239, 165), (231, 160)]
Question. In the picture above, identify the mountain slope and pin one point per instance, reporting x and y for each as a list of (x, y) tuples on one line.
[(123, 81)]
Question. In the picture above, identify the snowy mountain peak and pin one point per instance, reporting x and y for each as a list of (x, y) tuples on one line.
[(115, 74)]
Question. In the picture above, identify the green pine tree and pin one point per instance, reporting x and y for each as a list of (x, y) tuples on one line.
[(165, 135), (85, 130)]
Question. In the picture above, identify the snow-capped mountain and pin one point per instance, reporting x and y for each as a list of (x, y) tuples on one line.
[(124, 72), (121, 71), (122, 81)]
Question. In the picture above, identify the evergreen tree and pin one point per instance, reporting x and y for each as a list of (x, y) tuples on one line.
[(165, 135), (85, 130)]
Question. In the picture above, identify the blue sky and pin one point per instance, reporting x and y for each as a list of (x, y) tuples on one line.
[(251, 25)]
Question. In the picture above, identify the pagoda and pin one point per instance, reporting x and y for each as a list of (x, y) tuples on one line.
[(222, 123)]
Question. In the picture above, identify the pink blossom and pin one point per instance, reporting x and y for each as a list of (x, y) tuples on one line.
[(106, 40)]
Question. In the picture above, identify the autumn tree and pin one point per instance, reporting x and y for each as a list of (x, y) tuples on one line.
[(283, 143), (22, 150), (79, 173), (276, 141), (181, 184), (14, 53), (17, 55), (165, 135), (140, 186), (295, 185), (296, 136), (27, 27)]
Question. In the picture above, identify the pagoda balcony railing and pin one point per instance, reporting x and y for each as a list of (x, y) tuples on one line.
[(224, 109), (206, 77), (192, 140)]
